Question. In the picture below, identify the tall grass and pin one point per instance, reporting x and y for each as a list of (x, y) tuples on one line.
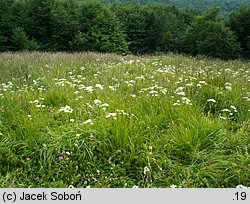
[(104, 120)]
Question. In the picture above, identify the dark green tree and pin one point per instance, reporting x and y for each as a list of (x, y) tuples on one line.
[(208, 35), (132, 18), (20, 41), (39, 23), (7, 23), (99, 29), (239, 22), (64, 24)]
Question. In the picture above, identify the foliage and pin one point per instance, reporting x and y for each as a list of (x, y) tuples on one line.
[(239, 22), (20, 41), (209, 36), (68, 25)]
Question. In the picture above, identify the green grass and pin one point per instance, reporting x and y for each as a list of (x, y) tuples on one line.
[(152, 123)]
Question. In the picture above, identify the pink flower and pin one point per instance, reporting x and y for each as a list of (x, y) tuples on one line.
[(60, 158), (27, 158)]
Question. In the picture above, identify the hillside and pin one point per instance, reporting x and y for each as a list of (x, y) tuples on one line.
[(226, 5)]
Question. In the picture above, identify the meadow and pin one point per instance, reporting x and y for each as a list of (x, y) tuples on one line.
[(105, 120)]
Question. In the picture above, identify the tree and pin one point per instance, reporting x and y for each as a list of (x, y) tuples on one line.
[(7, 23), (99, 29), (239, 22), (132, 18), (39, 24), (64, 24), (208, 35), (19, 41)]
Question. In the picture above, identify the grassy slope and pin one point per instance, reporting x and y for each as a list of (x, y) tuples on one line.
[(164, 130)]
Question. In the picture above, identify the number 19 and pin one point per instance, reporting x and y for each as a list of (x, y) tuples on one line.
[(241, 196)]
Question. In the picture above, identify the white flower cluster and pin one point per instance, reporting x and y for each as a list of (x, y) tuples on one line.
[(66, 109)]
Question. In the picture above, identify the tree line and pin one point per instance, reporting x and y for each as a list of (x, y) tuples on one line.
[(226, 5), (69, 25)]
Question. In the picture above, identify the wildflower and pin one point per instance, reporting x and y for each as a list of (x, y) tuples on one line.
[(180, 93), (96, 101), (60, 158), (233, 107), (99, 86), (91, 136), (173, 186), (78, 135), (111, 115), (228, 86), (241, 186), (89, 121), (189, 85), (134, 186), (211, 100), (104, 105), (112, 88), (95, 180), (68, 153), (225, 110), (28, 158), (66, 109), (72, 120), (146, 170), (202, 82), (89, 89), (186, 101)]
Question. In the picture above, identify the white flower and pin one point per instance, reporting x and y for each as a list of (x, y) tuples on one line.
[(134, 186), (72, 120), (241, 186), (89, 121), (68, 153), (228, 86), (225, 110), (173, 186), (111, 115), (89, 89), (202, 82), (99, 86), (112, 88), (180, 93), (233, 107), (146, 170), (104, 105), (211, 100), (97, 101), (66, 109)]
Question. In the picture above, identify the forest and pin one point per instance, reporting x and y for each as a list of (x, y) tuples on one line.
[(226, 5), (70, 25)]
